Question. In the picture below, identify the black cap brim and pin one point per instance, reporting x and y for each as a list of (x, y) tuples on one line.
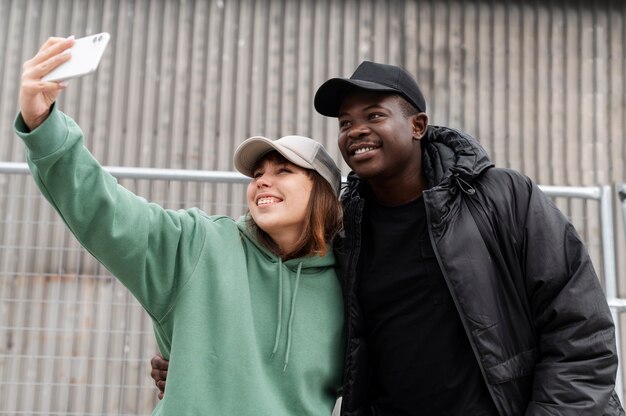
[(331, 94)]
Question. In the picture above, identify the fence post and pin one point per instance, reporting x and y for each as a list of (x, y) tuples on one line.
[(621, 192), (610, 273)]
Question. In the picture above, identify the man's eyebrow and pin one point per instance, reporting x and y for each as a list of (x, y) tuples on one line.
[(369, 107)]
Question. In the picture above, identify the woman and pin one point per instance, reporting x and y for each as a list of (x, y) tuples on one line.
[(257, 299)]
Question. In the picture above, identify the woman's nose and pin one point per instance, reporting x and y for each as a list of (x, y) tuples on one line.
[(263, 182)]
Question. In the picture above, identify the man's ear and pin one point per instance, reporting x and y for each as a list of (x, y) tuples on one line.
[(419, 122)]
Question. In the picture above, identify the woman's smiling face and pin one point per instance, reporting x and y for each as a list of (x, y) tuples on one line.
[(278, 198)]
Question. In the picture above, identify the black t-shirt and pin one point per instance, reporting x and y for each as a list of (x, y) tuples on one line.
[(422, 360)]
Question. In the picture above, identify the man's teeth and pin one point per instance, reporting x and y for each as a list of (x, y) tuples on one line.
[(265, 201), (363, 150)]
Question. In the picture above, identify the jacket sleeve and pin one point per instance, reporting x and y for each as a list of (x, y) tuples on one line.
[(575, 372), (148, 248)]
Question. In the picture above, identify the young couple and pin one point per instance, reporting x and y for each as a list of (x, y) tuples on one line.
[(465, 291)]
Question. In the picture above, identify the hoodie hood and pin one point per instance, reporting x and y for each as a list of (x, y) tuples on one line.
[(309, 263), (448, 152), (302, 267)]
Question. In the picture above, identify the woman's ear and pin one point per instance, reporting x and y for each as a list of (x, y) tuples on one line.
[(419, 123)]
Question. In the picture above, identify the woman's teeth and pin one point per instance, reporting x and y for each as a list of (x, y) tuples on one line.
[(265, 201)]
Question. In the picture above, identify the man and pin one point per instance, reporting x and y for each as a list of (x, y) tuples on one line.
[(466, 291)]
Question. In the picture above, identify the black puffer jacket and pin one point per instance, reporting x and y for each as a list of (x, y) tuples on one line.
[(521, 279)]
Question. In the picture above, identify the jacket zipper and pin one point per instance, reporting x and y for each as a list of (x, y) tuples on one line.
[(456, 301)]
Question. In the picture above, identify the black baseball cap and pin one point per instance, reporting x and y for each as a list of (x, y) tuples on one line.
[(370, 76)]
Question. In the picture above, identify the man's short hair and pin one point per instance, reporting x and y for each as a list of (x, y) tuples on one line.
[(406, 107)]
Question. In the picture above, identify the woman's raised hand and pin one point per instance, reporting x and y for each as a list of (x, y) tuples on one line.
[(36, 96)]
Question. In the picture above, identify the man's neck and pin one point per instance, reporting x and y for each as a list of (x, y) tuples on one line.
[(399, 191)]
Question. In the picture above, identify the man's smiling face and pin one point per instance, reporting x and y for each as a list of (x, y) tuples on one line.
[(376, 138)]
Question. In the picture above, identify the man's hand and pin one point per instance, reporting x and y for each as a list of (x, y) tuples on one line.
[(159, 372), (36, 96)]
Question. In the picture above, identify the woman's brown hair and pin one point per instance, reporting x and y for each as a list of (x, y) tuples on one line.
[(322, 221)]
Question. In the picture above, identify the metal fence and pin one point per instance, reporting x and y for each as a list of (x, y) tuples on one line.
[(73, 341)]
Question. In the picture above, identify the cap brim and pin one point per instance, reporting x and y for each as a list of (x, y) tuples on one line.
[(330, 94), (252, 149)]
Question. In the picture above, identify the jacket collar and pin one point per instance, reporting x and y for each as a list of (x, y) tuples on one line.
[(446, 153)]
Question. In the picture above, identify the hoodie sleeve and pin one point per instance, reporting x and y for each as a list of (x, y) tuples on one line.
[(151, 250), (575, 373)]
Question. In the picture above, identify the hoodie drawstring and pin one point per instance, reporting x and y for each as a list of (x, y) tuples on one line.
[(280, 306), (280, 312), (291, 315), (464, 185)]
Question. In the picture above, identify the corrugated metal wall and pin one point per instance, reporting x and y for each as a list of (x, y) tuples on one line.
[(540, 83)]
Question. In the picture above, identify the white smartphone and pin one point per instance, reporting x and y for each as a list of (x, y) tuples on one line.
[(86, 55)]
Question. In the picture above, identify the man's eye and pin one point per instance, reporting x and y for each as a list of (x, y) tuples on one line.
[(375, 116), (343, 124)]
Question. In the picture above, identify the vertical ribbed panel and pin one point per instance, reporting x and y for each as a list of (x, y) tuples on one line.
[(540, 83), (183, 82)]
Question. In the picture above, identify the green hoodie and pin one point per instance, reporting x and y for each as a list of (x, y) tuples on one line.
[(246, 333)]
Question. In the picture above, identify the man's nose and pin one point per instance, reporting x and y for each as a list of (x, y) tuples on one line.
[(357, 130)]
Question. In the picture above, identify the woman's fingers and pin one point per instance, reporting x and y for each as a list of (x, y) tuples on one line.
[(53, 46), (53, 53), (36, 96), (32, 86)]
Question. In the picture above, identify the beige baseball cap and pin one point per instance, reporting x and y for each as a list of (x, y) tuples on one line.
[(302, 151)]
